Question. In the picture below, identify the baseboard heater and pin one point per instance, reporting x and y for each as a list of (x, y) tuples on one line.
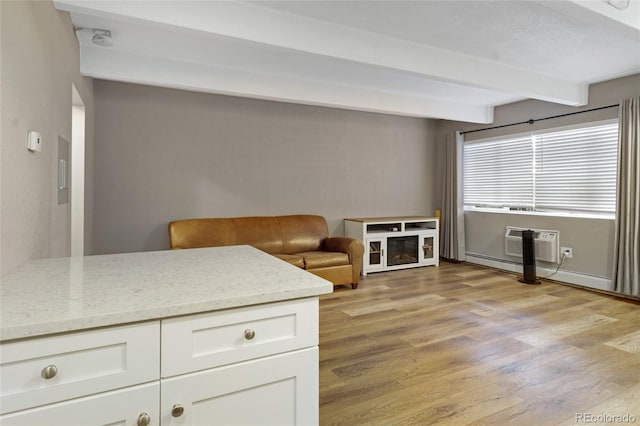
[(570, 277)]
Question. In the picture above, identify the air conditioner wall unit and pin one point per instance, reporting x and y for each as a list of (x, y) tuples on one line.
[(547, 243)]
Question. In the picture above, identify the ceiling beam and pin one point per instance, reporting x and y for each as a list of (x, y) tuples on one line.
[(152, 70), (262, 25)]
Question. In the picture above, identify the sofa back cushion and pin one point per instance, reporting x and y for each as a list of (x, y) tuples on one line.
[(302, 233), (196, 233), (272, 234), (261, 232)]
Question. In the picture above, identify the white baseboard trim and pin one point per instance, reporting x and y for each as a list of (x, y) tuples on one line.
[(590, 281)]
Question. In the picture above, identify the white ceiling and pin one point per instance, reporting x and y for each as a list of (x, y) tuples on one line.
[(451, 59)]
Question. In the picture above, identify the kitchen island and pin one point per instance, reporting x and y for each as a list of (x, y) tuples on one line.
[(214, 335)]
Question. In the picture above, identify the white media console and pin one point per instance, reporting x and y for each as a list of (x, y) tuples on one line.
[(395, 242)]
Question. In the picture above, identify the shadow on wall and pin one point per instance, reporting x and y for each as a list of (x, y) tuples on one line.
[(158, 237)]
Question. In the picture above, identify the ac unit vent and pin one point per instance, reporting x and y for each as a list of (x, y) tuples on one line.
[(547, 243)]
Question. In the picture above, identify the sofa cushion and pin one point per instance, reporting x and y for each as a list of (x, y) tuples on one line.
[(338, 275), (323, 259), (293, 259)]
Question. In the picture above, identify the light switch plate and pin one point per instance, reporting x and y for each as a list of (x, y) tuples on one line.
[(63, 170), (34, 141)]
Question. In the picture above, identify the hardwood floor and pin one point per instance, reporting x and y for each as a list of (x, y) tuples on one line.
[(462, 344)]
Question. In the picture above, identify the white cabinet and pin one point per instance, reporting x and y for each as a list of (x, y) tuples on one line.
[(123, 407), (277, 390), (247, 366), (253, 365), (45, 370), (198, 342), (396, 242)]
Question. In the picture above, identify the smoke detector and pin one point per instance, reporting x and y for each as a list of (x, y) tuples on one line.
[(99, 37)]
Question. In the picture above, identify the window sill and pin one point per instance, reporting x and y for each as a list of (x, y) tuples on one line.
[(540, 213)]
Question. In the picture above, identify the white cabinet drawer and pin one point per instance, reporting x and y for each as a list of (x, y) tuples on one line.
[(198, 342), (278, 390), (86, 363), (122, 407)]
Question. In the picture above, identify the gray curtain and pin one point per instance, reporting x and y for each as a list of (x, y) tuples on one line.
[(626, 255), (452, 245)]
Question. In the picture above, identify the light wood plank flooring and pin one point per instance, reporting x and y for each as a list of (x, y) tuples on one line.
[(461, 344)]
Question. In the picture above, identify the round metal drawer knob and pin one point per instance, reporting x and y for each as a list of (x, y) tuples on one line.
[(144, 419), (177, 410), (249, 334), (49, 372)]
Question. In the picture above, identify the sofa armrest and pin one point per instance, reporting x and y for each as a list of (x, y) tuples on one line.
[(354, 249), (351, 246)]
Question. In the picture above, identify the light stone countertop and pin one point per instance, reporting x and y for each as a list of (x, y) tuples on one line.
[(49, 296)]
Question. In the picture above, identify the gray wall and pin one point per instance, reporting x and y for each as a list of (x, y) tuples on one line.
[(591, 239), (164, 154), (39, 63)]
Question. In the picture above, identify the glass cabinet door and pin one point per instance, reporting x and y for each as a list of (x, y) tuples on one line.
[(375, 254), (428, 248)]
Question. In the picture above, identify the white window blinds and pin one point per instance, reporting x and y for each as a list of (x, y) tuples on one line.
[(569, 170), (498, 173)]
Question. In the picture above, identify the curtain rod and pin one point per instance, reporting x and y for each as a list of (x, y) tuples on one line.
[(533, 120)]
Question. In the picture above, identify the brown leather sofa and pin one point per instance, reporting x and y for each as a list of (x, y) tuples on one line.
[(301, 240)]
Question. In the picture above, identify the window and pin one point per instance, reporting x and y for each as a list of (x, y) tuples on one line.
[(564, 170)]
